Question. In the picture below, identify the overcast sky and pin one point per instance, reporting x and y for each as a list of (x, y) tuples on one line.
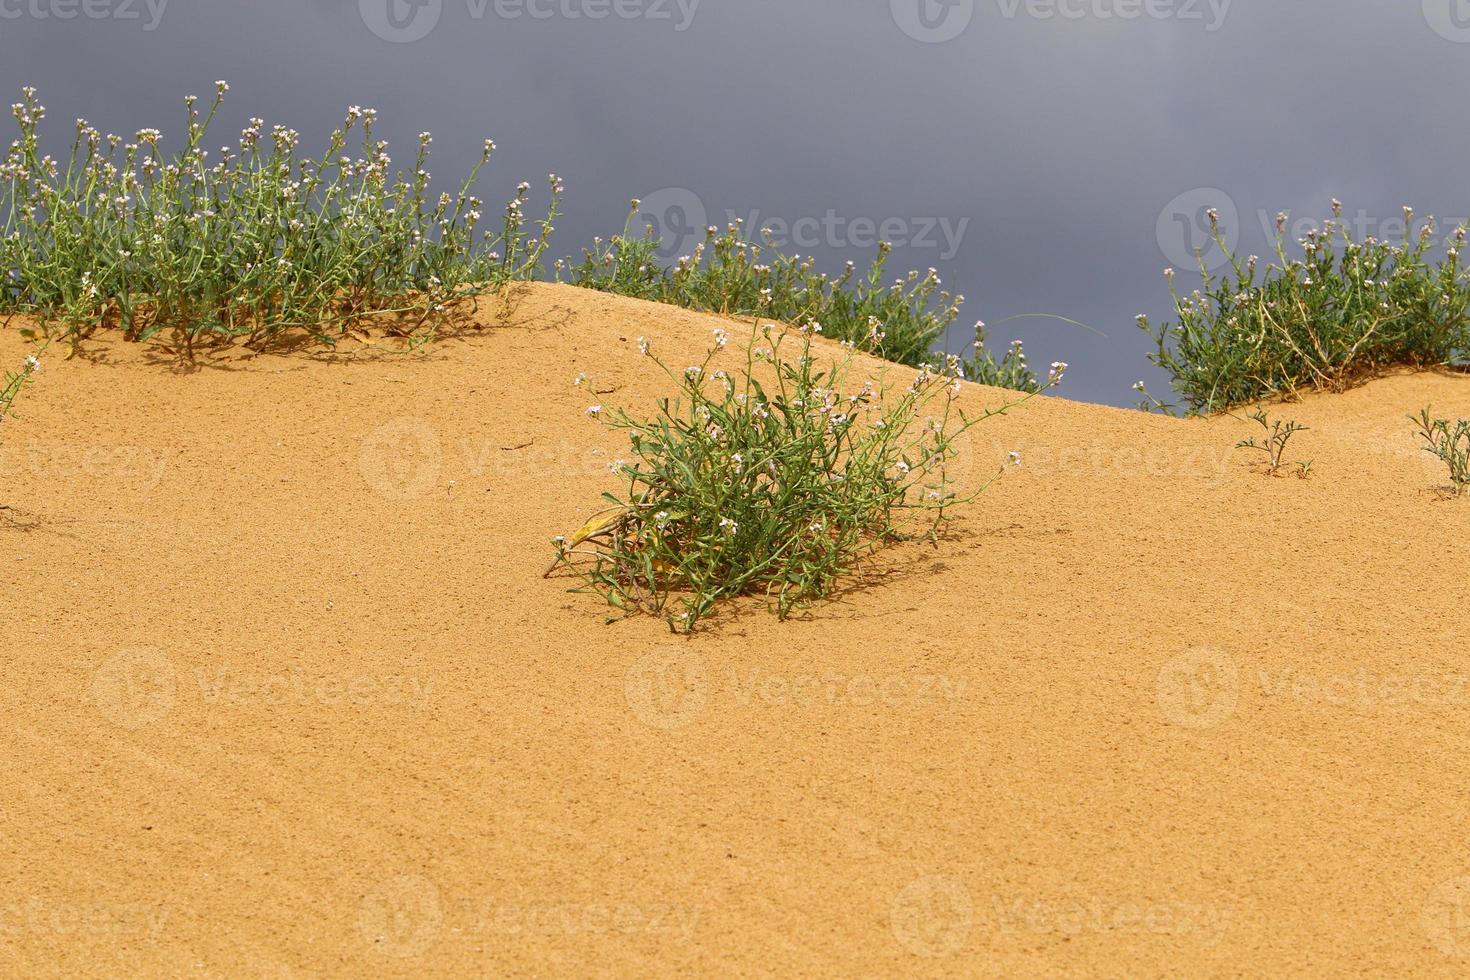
[(1047, 156)]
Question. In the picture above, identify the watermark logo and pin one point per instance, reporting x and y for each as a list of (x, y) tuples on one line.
[(1210, 13), (139, 468), (667, 688), (148, 12), (135, 688), (401, 917), (401, 459), (1199, 689), (933, 916), (510, 921), (401, 21), (676, 217), (1184, 229), (1445, 917), (932, 21), (679, 219), (406, 21), (1450, 19)]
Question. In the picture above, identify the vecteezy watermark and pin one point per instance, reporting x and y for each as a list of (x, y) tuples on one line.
[(134, 467), (1199, 689), (405, 459), (510, 920), (148, 13), (936, 21), (932, 21), (1106, 461), (405, 21), (403, 916), (228, 686), (401, 459), (1186, 227), (671, 688), (675, 216), (678, 218), (81, 922), (1365, 689), (1450, 19), (1100, 915), (1210, 13), (667, 688), (135, 688), (932, 917), (1445, 917), (400, 917)]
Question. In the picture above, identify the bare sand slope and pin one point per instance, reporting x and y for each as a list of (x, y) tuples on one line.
[(285, 694)]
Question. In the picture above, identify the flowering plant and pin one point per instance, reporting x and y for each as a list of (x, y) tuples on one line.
[(249, 245), (1344, 311), (775, 479)]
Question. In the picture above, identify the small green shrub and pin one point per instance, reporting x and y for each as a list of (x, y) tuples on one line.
[(1450, 442), (1277, 435), (774, 480), (251, 246), (899, 320), (1342, 313), (15, 381)]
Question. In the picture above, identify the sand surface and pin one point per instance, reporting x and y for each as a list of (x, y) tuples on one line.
[(286, 695)]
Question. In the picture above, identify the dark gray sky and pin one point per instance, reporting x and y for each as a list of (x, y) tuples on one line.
[(1047, 156)]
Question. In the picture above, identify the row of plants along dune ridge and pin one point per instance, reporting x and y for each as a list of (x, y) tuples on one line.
[(1344, 311), (261, 243)]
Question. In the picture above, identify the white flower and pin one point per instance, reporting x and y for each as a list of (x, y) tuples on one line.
[(693, 371), (33, 364), (728, 526), (1015, 458), (643, 346), (616, 466), (721, 338), (579, 380), (904, 468), (594, 410), (1058, 369)]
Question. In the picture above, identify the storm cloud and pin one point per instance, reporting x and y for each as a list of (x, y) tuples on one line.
[(1046, 156)]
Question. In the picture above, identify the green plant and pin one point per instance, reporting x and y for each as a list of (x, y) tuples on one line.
[(1278, 434), (15, 381), (1342, 313), (259, 243), (899, 320), (1450, 442), (773, 480)]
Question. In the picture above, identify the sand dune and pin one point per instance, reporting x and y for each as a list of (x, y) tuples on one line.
[(286, 694)]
